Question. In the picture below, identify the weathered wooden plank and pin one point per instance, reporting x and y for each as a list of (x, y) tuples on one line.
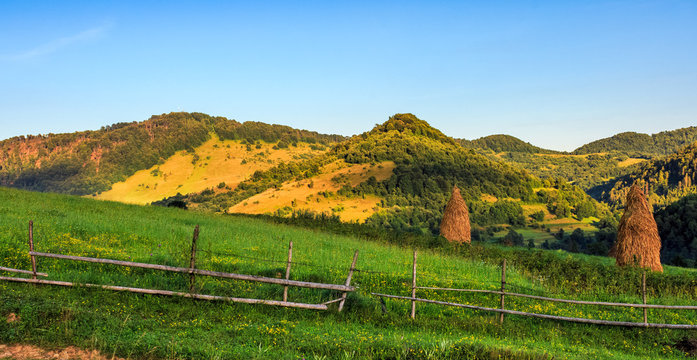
[(192, 260), (290, 261), (200, 272), (333, 301), (648, 306), (171, 293), (544, 316), (31, 248), (2, 268), (413, 287), (348, 280), (643, 296), (503, 288)]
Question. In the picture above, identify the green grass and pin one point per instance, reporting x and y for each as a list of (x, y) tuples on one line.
[(141, 326)]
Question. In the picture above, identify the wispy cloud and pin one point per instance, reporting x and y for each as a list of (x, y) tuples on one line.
[(59, 44)]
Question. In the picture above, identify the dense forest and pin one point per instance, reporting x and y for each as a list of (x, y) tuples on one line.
[(664, 181), (677, 225), (585, 171), (91, 161), (504, 143), (636, 144)]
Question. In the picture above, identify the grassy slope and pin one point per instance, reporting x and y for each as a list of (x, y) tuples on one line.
[(218, 161), (159, 327), (305, 194)]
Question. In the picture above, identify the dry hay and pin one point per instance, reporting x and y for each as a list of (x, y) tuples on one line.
[(638, 242), (455, 225)]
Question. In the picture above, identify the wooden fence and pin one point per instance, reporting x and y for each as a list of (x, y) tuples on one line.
[(503, 293), (344, 289), (192, 271)]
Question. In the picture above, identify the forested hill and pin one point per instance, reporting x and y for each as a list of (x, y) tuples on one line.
[(677, 225), (91, 161), (504, 143), (632, 143), (424, 165), (665, 180)]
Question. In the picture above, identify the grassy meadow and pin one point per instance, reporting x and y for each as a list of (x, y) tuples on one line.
[(143, 326)]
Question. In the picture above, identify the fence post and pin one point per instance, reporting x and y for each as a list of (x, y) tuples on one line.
[(413, 287), (348, 280), (503, 287), (643, 293), (290, 259), (192, 261), (31, 248)]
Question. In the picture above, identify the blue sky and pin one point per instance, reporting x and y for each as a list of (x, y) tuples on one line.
[(557, 74)]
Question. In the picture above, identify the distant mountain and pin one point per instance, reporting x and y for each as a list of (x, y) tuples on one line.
[(665, 180), (504, 143), (663, 143), (91, 161)]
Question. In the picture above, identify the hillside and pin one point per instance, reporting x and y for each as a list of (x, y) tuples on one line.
[(398, 176), (316, 194), (144, 326), (677, 226), (585, 171), (89, 162), (217, 164), (665, 180), (504, 143), (591, 165), (637, 144)]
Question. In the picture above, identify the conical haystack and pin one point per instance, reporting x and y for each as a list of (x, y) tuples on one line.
[(455, 225), (638, 242)]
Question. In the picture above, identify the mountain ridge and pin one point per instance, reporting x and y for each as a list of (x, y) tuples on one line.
[(658, 144), (505, 143), (91, 161)]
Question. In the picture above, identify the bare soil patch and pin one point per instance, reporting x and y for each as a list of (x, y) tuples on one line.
[(12, 317), (29, 352)]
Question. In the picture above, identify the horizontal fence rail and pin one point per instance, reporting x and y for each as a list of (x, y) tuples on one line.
[(644, 306), (192, 271), (541, 316), (254, 278), (170, 293), (18, 271), (344, 289), (581, 302)]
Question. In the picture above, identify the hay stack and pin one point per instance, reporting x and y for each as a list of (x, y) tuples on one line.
[(638, 242), (455, 225)]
